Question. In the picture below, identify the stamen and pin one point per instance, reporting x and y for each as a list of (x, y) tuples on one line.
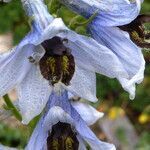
[(62, 137), (51, 61), (65, 65), (55, 145), (136, 30), (57, 64), (69, 143)]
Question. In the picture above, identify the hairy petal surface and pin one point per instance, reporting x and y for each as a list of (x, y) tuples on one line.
[(93, 56), (33, 94), (83, 84), (127, 52), (14, 66), (102, 60)]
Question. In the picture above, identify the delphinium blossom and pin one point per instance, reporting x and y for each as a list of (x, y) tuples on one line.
[(52, 56), (109, 29), (40, 67), (62, 128), (50, 61)]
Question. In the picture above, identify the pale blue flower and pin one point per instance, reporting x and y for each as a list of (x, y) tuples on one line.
[(59, 109), (104, 30), (110, 12), (33, 90)]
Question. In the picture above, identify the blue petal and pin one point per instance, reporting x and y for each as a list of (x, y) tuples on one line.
[(127, 52), (110, 13), (66, 113), (14, 66), (83, 84), (38, 13), (38, 138), (88, 113), (31, 103), (83, 130), (102, 59), (91, 139)]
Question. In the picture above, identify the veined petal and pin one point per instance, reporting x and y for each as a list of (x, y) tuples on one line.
[(91, 139), (83, 130), (56, 27), (110, 13), (83, 84), (127, 52), (14, 65), (88, 7), (130, 85), (102, 60), (35, 38), (93, 56), (38, 13), (33, 92), (44, 25), (57, 112), (123, 13), (88, 113), (39, 136)]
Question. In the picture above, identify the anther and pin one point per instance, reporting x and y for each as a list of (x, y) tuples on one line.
[(136, 30)]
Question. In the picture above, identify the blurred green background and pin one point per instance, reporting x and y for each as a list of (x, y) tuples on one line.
[(113, 99)]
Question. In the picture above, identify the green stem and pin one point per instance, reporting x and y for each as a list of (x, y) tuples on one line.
[(89, 20), (11, 106)]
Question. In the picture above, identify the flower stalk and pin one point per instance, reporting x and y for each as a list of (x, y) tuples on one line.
[(11, 107)]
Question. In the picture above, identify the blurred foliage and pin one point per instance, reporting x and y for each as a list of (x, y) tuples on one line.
[(13, 137), (144, 141), (146, 6), (12, 19), (109, 91)]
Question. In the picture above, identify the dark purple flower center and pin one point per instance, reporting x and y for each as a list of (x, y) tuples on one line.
[(137, 32), (58, 63), (62, 137)]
